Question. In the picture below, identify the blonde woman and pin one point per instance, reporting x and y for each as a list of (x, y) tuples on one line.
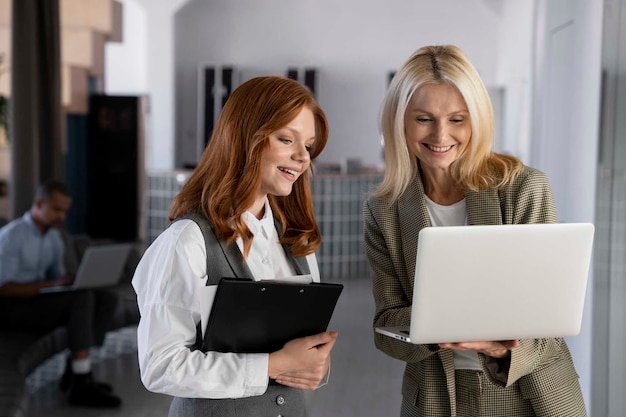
[(437, 124)]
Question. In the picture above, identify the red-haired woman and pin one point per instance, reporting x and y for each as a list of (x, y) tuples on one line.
[(251, 198)]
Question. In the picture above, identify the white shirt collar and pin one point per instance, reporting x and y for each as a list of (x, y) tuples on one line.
[(264, 225)]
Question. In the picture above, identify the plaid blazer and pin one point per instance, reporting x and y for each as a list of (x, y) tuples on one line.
[(541, 370)]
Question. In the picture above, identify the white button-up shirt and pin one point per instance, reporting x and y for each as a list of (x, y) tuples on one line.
[(172, 297)]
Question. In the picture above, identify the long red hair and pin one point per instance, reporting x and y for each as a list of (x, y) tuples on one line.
[(225, 182)]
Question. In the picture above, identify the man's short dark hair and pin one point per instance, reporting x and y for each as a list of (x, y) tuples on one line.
[(49, 187)]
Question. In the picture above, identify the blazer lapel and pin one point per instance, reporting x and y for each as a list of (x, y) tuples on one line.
[(413, 216), (483, 207)]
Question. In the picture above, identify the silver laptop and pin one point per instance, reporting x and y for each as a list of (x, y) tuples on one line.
[(100, 266), (487, 283)]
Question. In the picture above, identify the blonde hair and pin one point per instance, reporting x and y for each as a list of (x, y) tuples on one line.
[(478, 167)]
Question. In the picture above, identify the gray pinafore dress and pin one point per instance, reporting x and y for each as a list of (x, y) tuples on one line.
[(278, 400)]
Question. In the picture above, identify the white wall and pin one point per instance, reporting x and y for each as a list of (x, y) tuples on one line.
[(566, 109), (126, 62), (144, 63), (352, 51), (353, 43), (514, 74)]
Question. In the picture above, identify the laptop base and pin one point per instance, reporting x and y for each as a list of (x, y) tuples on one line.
[(397, 332)]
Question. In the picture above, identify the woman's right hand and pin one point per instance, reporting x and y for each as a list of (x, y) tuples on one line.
[(498, 349), (304, 362)]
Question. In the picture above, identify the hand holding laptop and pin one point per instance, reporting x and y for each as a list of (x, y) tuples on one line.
[(498, 349), (59, 282)]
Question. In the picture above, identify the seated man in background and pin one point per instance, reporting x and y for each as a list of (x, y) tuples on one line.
[(32, 257)]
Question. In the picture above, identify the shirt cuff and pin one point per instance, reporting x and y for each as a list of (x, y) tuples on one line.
[(324, 381), (256, 381)]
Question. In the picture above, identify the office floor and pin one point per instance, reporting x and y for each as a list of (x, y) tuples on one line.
[(364, 382)]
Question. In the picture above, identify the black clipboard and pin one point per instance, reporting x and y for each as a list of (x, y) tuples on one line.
[(261, 316)]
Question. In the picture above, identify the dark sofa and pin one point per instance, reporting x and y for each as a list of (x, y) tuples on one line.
[(22, 352)]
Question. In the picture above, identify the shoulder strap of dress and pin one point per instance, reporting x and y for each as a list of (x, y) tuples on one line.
[(300, 264), (214, 268), (216, 265)]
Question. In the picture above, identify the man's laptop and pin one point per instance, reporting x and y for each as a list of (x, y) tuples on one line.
[(101, 266), (505, 282)]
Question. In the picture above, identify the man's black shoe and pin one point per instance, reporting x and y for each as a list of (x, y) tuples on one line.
[(85, 392), (66, 379)]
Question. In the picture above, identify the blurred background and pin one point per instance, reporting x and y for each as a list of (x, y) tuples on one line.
[(118, 98)]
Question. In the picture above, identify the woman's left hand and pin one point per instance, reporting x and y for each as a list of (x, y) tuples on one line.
[(304, 362), (498, 349)]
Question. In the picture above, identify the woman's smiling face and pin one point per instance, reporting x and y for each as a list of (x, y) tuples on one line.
[(287, 156), (437, 126)]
